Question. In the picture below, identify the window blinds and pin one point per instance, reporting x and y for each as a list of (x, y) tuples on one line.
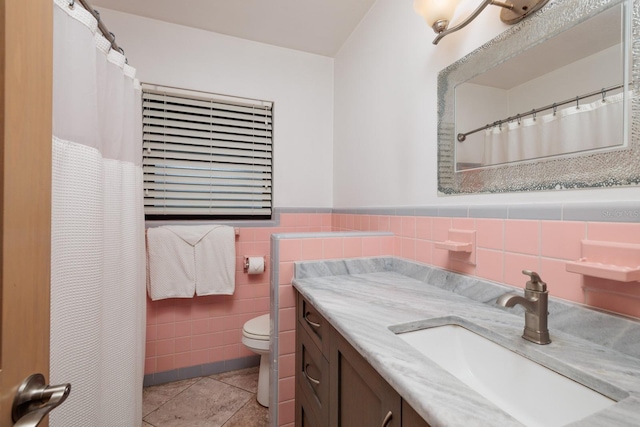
[(206, 155)]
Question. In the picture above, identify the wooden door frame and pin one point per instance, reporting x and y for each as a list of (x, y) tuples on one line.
[(26, 37)]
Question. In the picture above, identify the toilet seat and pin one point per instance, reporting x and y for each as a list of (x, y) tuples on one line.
[(255, 336), (257, 328)]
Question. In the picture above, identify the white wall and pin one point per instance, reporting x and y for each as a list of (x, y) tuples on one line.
[(299, 84), (385, 135), (602, 69), (476, 106)]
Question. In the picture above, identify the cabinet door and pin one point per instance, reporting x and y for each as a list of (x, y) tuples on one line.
[(306, 412), (359, 396), (410, 417)]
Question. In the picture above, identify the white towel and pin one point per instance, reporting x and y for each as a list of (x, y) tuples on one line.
[(215, 260), (170, 263), (184, 260)]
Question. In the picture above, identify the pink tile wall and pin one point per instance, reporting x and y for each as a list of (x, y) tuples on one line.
[(200, 330), (505, 247), (191, 332), (292, 250)]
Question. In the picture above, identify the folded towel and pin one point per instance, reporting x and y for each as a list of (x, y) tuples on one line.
[(215, 257), (170, 265), (184, 260)]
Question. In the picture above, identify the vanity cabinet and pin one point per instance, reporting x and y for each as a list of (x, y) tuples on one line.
[(359, 395), (336, 386)]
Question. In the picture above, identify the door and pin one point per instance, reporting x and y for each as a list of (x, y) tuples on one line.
[(25, 193)]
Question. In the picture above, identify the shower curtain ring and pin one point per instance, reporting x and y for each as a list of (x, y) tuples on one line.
[(577, 102), (555, 108), (72, 4), (534, 114), (519, 121), (604, 93), (121, 50)]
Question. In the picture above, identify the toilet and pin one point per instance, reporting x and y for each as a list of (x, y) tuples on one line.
[(255, 336)]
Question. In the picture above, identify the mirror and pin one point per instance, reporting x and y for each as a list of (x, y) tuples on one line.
[(512, 104), (536, 104)]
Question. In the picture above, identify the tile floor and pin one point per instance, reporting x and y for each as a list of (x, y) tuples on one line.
[(221, 400)]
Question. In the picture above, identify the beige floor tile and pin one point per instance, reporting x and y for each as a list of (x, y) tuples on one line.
[(155, 396), (246, 379), (251, 415), (207, 403)]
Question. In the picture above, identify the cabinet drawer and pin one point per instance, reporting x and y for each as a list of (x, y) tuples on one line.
[(312, 375), (315, 325)]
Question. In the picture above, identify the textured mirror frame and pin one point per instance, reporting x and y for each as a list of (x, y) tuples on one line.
[(589, 170)]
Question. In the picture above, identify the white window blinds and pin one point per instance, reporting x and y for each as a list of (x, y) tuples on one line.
[(206, 155)]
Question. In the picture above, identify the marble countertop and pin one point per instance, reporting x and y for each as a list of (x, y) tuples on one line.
[(363, 301)]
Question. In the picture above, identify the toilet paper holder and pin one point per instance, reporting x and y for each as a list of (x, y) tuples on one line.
[(246, 263)]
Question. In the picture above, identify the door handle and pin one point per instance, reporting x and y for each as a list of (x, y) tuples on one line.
[(34, 400)]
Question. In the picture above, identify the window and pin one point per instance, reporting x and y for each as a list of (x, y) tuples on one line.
[(205, 156)]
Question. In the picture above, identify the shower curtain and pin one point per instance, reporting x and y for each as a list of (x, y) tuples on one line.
[(97, 261), (590, 126)]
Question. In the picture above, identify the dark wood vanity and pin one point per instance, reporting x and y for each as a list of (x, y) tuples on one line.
[(336, 386)]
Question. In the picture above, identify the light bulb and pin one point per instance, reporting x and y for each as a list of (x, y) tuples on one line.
[(435, 10), (420, 6)]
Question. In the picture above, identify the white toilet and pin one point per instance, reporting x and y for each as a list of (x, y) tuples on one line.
[(255, 336)]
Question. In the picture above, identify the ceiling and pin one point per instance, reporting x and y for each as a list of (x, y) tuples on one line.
[(319, 27)]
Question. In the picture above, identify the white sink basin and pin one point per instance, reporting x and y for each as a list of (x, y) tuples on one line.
[(529, 392)]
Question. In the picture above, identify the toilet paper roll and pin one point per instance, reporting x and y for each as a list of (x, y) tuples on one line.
[(256, 265)]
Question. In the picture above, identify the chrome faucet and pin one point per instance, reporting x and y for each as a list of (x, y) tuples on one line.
[(535, 303)]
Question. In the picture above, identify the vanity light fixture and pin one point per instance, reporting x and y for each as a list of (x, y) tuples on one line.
[(438, 13)]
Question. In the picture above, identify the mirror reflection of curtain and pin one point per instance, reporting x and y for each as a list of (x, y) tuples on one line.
[(591, 126)]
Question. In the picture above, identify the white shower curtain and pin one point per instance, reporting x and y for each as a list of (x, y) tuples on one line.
[(97, 261), (591, 126)]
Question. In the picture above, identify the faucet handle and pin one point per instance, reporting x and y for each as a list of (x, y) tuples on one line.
[(535, 284)]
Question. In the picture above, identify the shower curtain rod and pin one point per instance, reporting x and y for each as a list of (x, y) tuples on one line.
[(103, 28), (462, 136)]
